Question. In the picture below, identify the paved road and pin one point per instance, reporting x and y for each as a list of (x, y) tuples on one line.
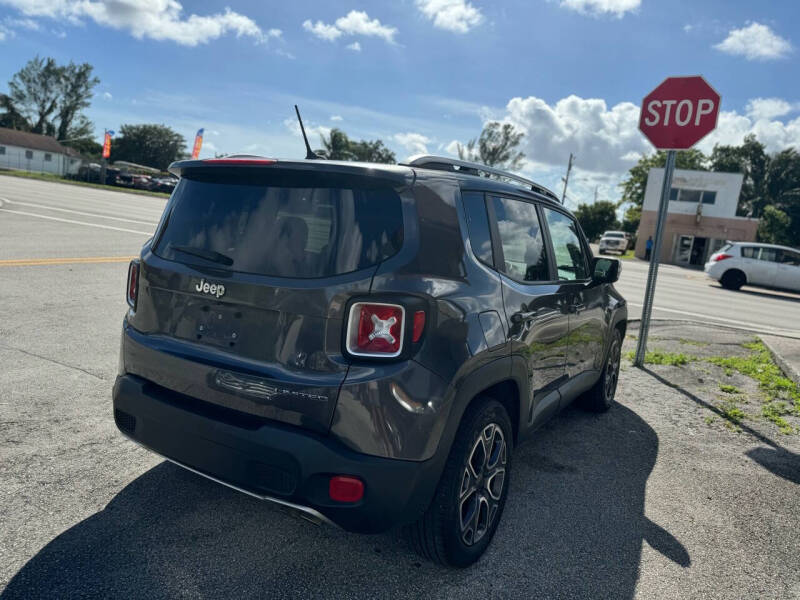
[(644, 501)]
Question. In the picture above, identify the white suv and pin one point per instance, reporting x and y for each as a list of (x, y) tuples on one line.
[(614, 241), (746, 263)]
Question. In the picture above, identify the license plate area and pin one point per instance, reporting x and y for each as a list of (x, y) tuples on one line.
[(218, 325)]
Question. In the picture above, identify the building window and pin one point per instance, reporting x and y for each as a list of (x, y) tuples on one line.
[(2, 149), (48, 157), (694, 196), (29, 154)]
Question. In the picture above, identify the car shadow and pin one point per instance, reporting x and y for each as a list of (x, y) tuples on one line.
[(786, 295), (573, 527)]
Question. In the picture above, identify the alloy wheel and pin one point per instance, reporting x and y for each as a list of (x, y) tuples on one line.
[(482, 484), (612, 370)]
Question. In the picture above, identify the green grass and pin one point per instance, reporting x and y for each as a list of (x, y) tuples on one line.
[(729, 389), (56, 179), (732, 413), (657, 357), (781, 394), (627, 255)]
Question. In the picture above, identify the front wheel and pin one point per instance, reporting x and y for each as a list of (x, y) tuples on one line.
[(601, 395), (459, 524)]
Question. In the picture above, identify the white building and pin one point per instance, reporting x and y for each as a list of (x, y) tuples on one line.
[(701, 215), (25, 151)]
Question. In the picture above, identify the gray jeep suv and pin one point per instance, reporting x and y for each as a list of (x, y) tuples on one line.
[(364, 343)]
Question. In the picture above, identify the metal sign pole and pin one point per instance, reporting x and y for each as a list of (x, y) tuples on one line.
[(654, 257)]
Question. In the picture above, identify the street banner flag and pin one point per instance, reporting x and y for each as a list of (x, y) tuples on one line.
[(107, 144), (198, 143)]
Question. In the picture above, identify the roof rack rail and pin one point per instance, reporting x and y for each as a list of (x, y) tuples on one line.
[(472, 168)]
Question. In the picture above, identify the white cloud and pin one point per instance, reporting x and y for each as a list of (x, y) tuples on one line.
[(414, 143), (618, 8), (155, 19), (26, 23), (312, 131), (336, 118), (107, 96), (769, 108), (687, 28), (3, 33), (321, 30), (755, 42), (458, 16), (356, 22), (355, 47), (452, 148)]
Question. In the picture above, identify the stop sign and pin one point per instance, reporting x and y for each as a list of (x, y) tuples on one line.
[(679, 112)]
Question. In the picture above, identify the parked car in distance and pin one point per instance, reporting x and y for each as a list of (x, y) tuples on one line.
[(364, 343), (748, 263), (163, 184), (124, 180), (142, 182), (614, 241)]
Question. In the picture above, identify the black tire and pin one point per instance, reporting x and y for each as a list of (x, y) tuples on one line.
[(601, 251), (601, 395), (733, 279), (465, 490)]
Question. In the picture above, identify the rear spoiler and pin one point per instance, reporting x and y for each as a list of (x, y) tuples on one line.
[(398, 175)]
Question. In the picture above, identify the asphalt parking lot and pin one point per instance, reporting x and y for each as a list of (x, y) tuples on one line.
[(647, 500)]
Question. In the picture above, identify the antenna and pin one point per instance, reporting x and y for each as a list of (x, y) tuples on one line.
[(310, 154)]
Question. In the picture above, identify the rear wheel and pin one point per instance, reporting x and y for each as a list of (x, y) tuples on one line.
[(601, 395), (459, 524), (733, 279)]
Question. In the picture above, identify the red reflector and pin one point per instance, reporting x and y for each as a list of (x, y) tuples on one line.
[(419, 325), (133, 283), (240, 161), (346, 489), (720, 257), (375, 329)]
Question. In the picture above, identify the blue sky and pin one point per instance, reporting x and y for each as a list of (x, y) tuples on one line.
[(421, 74)]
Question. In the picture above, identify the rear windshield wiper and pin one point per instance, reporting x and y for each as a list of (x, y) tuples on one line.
[(211, 255)]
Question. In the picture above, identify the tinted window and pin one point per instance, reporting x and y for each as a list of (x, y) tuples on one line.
[(788, 257), (690, 196), (2, 149), (478, 226), (28, 153), (709, 197), (673, 193), (570, 259), (48, 157), (281, 230), (749, 252), (524, 253), (769, 254)]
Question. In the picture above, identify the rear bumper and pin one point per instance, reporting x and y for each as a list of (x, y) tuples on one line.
[(272, 461)]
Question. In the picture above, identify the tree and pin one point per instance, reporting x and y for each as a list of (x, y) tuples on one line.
[(48, 99), (597, 218), (337, 146), (35, 91), (75, 91), (752, 161), (496, 147), (630, 221), (774, 227), (634, 186), (150, 145)]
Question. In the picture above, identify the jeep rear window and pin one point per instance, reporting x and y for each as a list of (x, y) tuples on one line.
[(281, 230)]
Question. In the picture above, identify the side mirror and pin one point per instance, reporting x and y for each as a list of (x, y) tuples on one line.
[(605, 270)]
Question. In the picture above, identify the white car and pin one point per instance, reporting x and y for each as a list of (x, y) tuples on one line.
[(614, 241), (747, 263)]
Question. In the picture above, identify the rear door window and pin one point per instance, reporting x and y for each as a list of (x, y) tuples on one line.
[(524, 253), (280, 230)]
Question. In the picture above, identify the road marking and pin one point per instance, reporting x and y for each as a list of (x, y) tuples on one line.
[(732, 321), (35, 262), (30, 214), (80, 212)]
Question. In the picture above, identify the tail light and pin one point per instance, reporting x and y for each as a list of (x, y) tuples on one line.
[(375, 329), (133, 283), (723, 256)]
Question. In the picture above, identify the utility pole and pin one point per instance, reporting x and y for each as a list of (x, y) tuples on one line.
[(566, 179)]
